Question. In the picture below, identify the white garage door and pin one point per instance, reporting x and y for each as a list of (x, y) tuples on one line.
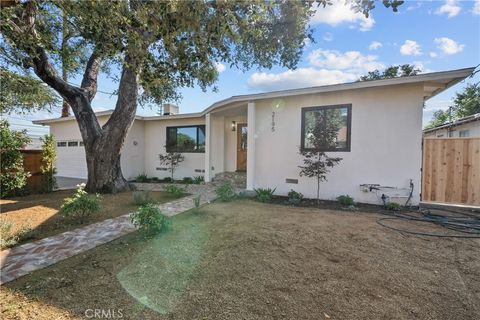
[(71, 159)]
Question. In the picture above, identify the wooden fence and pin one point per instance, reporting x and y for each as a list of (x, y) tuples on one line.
[(451, 170), (32, 161)]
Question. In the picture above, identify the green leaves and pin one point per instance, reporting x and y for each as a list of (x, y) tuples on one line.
[(394, 71), (466, 103), (13, 177), (24, 93)]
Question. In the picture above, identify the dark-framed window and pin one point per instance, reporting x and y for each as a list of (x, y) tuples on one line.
[(186, 139), (319, 121), (73, 143), (61, 143)]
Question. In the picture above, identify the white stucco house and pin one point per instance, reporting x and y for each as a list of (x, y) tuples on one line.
[(380, 138)]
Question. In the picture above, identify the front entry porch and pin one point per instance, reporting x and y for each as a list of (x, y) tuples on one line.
[(230, 145)]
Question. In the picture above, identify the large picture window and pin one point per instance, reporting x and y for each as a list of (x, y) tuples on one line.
[(326, 128), (186, 139)]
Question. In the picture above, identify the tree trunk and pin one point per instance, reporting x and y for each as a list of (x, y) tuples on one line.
[(103, 150), (318, 191), (104, 169), (65, 106)]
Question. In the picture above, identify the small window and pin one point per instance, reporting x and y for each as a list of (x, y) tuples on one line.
[(464, 133), (61, 144), (73, 143), (451, 134), (318, 122), (186, 139)]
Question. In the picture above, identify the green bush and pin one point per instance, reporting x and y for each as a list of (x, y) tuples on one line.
[(49, 154), (345, 200), (294, 197), (167, 179), (264, 194), (8, 238), (198, 180), (82, 205), (392, 206), (139, 198), (187, 180), (149, 219), (142, 178), (13, 176), (154, 179), (226, 192), (196, 202), (174, 190)]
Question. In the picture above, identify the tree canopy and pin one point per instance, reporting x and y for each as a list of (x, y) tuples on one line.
[(394, 71), (466, 103), (24, 93)]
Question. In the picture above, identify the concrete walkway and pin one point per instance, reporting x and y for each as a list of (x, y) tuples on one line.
[(21, 260)]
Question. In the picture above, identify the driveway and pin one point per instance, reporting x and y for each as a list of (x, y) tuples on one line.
[(65, 183)]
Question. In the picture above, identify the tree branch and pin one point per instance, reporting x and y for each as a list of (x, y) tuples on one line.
[(90, 77)]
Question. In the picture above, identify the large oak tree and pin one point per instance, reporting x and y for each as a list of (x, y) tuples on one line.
[(159, 46)]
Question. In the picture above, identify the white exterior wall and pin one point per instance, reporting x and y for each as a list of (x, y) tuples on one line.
[(71, 161), (386, 140), (155, 140)]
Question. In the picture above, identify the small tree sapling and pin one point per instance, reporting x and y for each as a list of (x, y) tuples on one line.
[(172, 160), (322, 130)]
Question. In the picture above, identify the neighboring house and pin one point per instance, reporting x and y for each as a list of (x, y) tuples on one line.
[(380, 141), (35, 143), (461, 128)]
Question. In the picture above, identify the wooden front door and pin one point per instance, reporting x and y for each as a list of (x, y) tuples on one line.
[(242, 147)]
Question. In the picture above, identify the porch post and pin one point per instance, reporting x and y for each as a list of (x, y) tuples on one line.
[(207, 148), (250, 145)]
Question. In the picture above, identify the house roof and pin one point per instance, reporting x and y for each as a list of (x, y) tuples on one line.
[(470, 118), (433, 83)]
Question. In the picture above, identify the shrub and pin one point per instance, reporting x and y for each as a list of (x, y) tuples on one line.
[(392, 206), (82, 205), (187, 180), (49, 154), (142, 178), (149, 219), (196, 202), (154, 179), (167, 179), (8, 238), (226, 192), (13, 176), (345, 200), (294, 197), (198, 180), (174, 190), (264, 194), (140, 198)]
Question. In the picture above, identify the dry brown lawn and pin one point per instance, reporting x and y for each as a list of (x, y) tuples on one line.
[(248, 260), (40, 211)]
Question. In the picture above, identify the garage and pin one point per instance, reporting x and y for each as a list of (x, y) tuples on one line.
[(71, 159)]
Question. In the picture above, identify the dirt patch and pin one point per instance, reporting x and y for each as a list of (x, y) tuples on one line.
[(262, 261), (40, 211)]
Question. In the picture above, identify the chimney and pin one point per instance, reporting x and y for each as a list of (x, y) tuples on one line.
[(170, 109)]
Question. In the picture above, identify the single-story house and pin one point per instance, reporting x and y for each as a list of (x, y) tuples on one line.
[(461, 128), (379, 139)]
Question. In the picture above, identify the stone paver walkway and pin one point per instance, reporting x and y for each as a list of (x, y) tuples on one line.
[(21, 260)]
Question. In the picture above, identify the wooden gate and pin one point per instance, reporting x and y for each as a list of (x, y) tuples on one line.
[(451, 170), (32, 161)]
